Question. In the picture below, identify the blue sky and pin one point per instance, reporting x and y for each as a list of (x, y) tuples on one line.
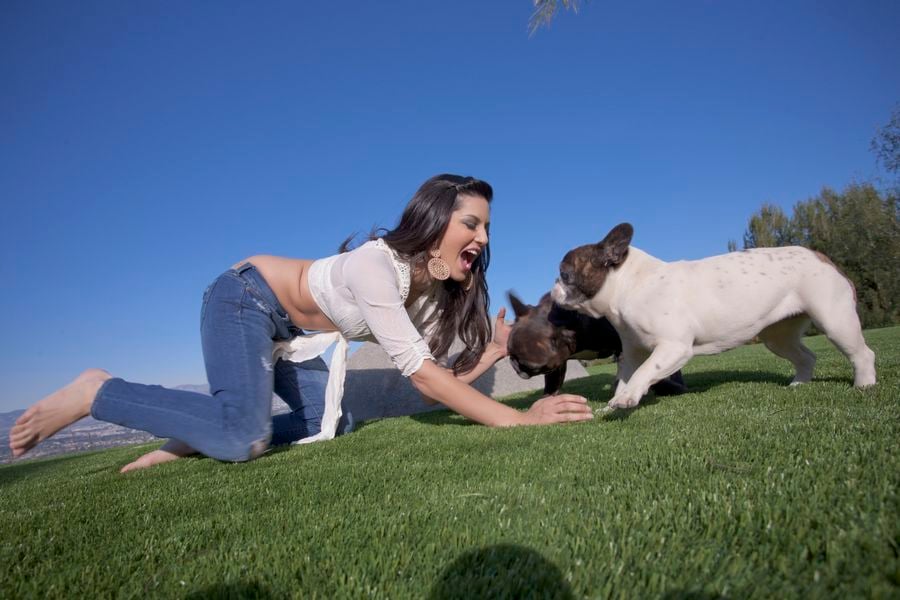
[(147, 146)]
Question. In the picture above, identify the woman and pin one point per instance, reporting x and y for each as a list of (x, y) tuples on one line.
[(425, 279)]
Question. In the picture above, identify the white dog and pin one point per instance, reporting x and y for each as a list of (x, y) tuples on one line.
[(666, 313)]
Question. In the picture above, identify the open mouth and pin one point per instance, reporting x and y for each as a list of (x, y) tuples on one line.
[(467, 258)]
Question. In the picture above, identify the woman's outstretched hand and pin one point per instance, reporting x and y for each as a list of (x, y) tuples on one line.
[(501, 331), (558, 409)]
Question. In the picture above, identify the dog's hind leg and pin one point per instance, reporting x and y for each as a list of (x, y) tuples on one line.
[(785, 339), (842, 327), (665, 359)]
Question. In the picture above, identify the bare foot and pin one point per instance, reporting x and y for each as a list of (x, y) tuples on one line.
[(52, 413), (171, 450)]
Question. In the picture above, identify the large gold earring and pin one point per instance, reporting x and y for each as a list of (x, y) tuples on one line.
[(437, 267)]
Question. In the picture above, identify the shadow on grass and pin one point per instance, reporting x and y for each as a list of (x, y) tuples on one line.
[(28, 468), (697, 381), (693, 595), (703, 381), (442, 417), (501, 571), (241, 589), (707, 380)]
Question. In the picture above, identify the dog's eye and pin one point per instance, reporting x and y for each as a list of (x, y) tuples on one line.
[(564, 276)]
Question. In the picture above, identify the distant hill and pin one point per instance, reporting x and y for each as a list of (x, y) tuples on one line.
[(86, 434), (91, 434), (8, 419)]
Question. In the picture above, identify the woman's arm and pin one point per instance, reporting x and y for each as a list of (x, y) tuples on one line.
[(494, 351), (437, 383)]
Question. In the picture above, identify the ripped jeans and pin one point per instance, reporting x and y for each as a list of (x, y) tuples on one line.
[(240, 321)]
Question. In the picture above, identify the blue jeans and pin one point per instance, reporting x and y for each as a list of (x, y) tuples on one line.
[(240, 321)]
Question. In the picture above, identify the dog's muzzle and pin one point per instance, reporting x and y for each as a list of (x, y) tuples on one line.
[(559, 293), (518, 369)]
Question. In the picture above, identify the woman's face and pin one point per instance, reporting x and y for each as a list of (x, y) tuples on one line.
[(466, 235)]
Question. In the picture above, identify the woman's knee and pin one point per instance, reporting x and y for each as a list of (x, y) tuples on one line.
[(245, 446)]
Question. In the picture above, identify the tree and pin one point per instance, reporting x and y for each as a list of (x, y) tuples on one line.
[(858, 229), (545, 10), (886, 143), (770, 227)]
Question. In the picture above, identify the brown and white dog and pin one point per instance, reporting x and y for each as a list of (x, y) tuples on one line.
[(666, 313), (545, 337)]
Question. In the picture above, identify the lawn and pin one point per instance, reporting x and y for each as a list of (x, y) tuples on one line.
[(743, 487)]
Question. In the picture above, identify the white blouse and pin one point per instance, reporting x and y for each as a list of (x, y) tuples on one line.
[(363, 292)]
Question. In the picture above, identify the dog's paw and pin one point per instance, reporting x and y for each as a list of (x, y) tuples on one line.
[(622, 402)]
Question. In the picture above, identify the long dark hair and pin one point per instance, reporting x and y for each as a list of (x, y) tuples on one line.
[(462, 312)]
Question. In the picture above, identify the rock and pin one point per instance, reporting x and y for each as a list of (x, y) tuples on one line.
[(374, 387)]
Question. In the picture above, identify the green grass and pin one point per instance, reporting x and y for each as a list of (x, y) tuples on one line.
[(742, 488)]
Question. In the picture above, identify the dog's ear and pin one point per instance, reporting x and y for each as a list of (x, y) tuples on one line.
[(519, 308), (611, 251), (545, 304)]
